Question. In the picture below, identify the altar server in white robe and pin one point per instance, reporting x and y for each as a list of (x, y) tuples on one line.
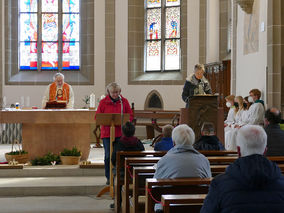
[(254, 116), (257, 110), (231, 115), (240, 119)]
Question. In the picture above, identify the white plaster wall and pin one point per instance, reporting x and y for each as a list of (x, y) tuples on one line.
[(251, 68), (171, 94), (212, 33), (13, 93)]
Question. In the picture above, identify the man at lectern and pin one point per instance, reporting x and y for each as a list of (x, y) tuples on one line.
[(112, 103), (196, 84), (59, 91)]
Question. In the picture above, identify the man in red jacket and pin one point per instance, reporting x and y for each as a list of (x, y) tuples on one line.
[(112, 104)]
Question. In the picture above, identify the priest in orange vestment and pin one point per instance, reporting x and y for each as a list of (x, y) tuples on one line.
[(59, 91)]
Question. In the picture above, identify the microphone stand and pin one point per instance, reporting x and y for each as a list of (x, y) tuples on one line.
[(121, 111)]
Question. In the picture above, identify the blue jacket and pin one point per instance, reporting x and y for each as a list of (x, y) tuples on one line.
[(164, 145), (252, 184)]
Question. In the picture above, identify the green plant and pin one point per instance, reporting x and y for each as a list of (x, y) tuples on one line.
[(21, 152), (46, 159), (86, 99), (71, 152)]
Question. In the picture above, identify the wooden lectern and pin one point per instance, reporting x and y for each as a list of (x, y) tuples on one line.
[(203, 108), (112, 120)]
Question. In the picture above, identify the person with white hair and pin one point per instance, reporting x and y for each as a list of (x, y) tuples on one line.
[(252, 183), (59, 91), (196, 84), (183, 161)]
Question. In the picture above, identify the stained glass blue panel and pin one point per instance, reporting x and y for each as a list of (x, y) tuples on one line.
[(71, 59), (172, 54), (49, 6), (153, 3), (153, 24), (28, 55), (173, 22), (49, 55), (28, 6), (71, 27), (28, 27), (71, 6), (153, 56), (49, 27)]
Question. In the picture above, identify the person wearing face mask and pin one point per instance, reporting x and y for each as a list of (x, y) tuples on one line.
[(230, 118), (232, 113), (257, 109), (112, 103), (240, 119), (196, 84)]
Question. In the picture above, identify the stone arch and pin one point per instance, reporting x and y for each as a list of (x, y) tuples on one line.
[(154, 101)]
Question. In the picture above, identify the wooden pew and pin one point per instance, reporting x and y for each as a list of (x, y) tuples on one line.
[(141, 173), (182, 201), (217, 153), (129, 162), (231, 159), (139, 179), (171, 202), (155, 188), (120, 156)]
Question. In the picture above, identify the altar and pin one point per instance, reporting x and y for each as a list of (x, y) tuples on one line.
[(46, 131)]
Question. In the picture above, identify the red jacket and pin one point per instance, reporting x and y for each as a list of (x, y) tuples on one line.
[(108, 106)]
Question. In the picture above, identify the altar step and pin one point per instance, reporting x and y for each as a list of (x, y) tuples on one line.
[(51, 186), (53, 171)]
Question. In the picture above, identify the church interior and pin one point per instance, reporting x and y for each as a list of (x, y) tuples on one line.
[(149, 48)]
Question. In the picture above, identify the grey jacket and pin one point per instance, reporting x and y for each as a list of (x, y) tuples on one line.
[(182, 162)]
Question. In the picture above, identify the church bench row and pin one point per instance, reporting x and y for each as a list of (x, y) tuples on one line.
[(123, 154), (140, 174), (156, 188), (178, 203)]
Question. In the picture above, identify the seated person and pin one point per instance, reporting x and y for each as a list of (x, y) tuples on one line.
[(275, 135), (59, 91), (183, 160), (127, 142), (252, 183), (208, 140), (166, 143), (256, 110)]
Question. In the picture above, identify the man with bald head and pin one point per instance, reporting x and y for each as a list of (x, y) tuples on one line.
[(275, 136)]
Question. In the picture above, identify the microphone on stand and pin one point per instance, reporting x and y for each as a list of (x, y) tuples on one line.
[(121, 110)]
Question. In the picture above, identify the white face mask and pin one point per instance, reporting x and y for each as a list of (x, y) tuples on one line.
[(250, 99), (228, 104)]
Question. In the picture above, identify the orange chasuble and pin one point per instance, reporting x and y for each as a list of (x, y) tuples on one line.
[(54, 93)]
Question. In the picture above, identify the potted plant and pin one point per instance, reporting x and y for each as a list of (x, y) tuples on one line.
[(21, 156), (86, 100), (70, 156)]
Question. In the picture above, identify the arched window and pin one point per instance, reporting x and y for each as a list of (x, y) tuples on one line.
[(49, 35), (163, 37)]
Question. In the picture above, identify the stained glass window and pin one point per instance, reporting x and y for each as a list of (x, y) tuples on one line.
[(56, 44), (162, 39)]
